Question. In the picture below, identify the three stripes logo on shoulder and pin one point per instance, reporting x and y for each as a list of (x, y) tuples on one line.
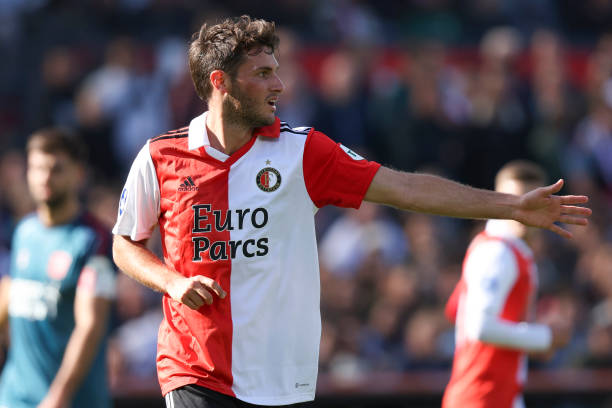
[(188, 185)]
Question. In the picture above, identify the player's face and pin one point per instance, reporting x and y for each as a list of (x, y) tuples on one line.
[(53, 178), (254, 93)]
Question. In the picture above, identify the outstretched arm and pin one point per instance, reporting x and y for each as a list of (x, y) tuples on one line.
[(436, 195)]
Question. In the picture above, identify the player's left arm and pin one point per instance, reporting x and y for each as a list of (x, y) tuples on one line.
[(436, 195), (5, 288), (91, 310)]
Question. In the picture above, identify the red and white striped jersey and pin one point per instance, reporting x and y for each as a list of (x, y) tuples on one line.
[(247, 221), (490, 307)]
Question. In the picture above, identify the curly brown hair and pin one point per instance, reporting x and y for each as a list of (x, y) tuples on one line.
[(223, 46)]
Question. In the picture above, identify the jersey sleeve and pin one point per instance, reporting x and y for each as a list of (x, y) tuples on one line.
[(140, 199), (334, 174), (98, 277), (490, 273)]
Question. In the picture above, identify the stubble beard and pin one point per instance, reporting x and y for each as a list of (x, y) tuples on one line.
[(242, 110), (53, 202)]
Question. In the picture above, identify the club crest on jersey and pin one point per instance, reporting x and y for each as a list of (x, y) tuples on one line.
[(59, 265), (268, 179)]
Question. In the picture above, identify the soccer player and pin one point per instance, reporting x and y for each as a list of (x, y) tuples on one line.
[(234, 194), (492, 306), (60, 287)]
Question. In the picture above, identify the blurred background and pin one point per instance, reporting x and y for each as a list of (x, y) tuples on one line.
[(456, 88)]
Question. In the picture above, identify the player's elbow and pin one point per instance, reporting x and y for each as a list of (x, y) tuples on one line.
[(119, 248)]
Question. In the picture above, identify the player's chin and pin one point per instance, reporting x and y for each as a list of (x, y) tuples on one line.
[(266, 119)]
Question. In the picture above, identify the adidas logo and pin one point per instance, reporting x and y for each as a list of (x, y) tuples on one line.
[(188, 185)]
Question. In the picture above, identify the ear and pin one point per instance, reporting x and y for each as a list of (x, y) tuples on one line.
[(219, 81)]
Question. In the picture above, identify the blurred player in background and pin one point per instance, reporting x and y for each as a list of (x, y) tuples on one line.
[(58, 293), (493, 305), (235, 193)]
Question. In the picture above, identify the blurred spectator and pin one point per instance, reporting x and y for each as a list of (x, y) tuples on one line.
[(414, 114), (134, 343), (297, 104), (15, 200), (499, 118), (422, 344), (554, 104), (591, 149), (59, 77), (360, 234), (340, 109)]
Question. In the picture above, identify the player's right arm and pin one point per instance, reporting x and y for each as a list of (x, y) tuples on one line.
[(138, 214)]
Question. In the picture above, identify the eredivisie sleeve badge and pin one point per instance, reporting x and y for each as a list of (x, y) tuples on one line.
[(268, 179)]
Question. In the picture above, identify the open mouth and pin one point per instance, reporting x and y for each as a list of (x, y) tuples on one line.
[(272, 102)]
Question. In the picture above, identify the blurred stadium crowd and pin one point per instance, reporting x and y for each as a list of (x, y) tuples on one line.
[(456, 88)]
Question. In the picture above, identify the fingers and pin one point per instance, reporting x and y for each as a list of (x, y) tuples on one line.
[(558, 230), (203, 294), (212, 285), (196, 291), (574, 199), (193, 300), (554, 188), (568, 219), (573, 210)]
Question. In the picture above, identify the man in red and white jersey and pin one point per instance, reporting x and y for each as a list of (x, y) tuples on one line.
[(492, 307), (234, 194)]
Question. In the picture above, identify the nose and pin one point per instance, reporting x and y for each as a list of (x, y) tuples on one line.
[(44, 177), (277, 85)]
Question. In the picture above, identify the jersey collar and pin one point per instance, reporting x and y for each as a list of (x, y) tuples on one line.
[(272, 130), (198, 134)]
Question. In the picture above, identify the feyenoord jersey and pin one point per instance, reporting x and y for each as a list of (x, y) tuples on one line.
[(48, 266), (491, 306), (246, 221)]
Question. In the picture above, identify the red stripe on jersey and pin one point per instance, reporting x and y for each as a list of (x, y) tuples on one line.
[(191, 238), (483, 375)]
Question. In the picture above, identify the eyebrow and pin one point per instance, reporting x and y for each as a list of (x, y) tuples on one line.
[(266, 68)]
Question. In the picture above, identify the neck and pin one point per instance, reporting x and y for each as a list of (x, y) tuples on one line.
[(52, 215), (224, 135)]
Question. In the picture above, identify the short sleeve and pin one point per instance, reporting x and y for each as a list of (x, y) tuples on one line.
[(334, 174), (140, 199), (98, 277), (490, 273)]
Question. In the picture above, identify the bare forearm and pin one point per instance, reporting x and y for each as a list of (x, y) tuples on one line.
[(78, 356), (435, 195), (5, 285), (138, 262)]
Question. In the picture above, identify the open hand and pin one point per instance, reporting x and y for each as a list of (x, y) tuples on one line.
[(541, 208)]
